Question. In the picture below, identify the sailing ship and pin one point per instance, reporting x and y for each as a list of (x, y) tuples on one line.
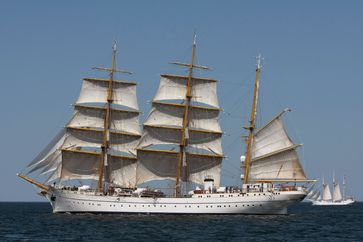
[(180, 142), (328, 199)]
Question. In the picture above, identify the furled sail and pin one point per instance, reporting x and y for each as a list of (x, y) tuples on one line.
[(274, 155), (158, 150), (337, 196), (326, 193)]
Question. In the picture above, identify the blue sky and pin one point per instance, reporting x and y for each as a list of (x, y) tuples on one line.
[(313, 60)]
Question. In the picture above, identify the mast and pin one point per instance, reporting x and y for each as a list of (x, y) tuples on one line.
[(182, 162), (344, 184), (251, 127), (107, 118)]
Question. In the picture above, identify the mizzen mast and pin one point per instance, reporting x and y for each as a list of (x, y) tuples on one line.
[(182, 161), (252, 125), (107, 118)]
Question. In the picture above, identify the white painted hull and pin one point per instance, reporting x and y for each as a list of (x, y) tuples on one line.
[(230, 203), (331, 203)]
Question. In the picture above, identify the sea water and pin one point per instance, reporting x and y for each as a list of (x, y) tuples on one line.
[(36, 222)]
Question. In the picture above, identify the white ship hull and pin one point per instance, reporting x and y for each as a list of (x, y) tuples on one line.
[(331, 203), (226, 203)]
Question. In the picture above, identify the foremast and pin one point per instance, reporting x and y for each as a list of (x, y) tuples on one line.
[(252, 125), (106, 129)]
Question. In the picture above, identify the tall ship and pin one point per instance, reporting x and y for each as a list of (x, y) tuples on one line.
[(101, 161), (327, 199)]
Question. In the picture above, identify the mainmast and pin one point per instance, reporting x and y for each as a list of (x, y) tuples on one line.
[(252, 126), (107, 118), (182, 161)]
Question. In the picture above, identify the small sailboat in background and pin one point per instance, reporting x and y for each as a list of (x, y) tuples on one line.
[(328, 199)]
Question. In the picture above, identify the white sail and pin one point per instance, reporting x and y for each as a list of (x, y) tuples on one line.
[(316, 196), (82, 137), (94, 117), (156, 135), (202, 166), (204, 119), (55, 174), (326, 193), (124, 142), (173, 87), (204, 91), (169, 114), (270, 138), (87, 116), (78, 164), (125, 122), (46, 162), (156, 165), (274, 155), (311, 194), (337, 196), (164, 114), (122, 170), (207, 141), (163, 128), (284, 165), (96, 91), (42, 157)]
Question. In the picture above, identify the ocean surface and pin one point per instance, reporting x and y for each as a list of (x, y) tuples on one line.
[(36, 222)]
